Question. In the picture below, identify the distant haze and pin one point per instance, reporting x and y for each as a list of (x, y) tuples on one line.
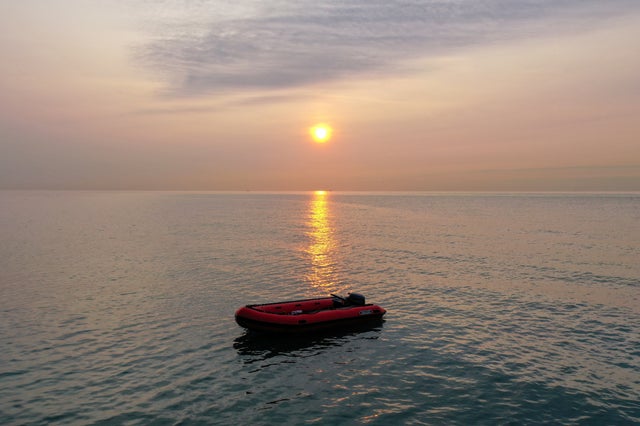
[(465, 95)]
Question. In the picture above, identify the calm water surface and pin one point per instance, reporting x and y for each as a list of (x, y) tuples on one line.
[(117, 308)]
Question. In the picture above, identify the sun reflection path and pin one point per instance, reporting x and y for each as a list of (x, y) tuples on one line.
[(321, 249)]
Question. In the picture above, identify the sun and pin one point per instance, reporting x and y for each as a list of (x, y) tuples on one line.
[(321, 133)]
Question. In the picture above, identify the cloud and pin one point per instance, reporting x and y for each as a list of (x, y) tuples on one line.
[(241, 101), (303, 42)]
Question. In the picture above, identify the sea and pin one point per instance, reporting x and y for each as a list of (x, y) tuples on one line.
[(117, 308)]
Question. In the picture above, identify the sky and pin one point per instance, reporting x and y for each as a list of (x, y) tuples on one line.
[(434, 95)]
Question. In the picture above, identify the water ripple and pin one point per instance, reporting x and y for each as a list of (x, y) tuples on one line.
[(118, 309)]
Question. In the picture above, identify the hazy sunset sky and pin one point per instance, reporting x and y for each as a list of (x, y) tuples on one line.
[(220, 95)]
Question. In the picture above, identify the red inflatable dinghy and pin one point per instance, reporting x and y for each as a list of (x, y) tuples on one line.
[(302, 316)]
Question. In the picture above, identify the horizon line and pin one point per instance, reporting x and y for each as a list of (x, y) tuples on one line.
[(337, 191)]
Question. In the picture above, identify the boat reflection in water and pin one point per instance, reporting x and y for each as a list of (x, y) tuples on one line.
[(322, 247), (259, 346)]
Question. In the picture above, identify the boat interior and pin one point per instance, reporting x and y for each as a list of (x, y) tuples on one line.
[(309, 306)]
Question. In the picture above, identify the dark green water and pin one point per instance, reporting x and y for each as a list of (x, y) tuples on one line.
[(117, 308)]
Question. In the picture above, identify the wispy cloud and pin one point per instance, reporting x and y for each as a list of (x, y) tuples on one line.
[(214, 47), (241, 101)]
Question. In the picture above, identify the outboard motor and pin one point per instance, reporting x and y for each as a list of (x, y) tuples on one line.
[(355, 299)]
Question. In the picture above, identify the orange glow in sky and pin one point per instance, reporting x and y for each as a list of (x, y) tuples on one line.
[(480, 101)]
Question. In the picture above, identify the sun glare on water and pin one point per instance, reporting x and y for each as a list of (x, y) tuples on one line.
[(321, 133)]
